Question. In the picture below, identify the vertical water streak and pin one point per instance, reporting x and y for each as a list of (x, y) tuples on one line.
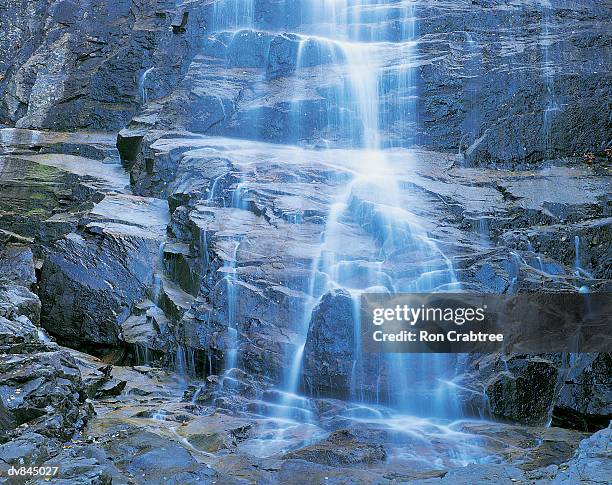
[(233, 14), (144, 95), (551, 106), (231, 278)]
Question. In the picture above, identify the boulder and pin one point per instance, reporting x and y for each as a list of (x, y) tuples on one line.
[(40, 384), (525, 393), (42, 390), (18, 300), (17, 264), (329, 351)]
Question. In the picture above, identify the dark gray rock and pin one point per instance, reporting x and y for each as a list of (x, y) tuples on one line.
[(41, 390), (17, 300), (17, 264), (91, 281), (341, 448), (330, 349), (585, 399), (525, 392), (17, 332), (77, 65)]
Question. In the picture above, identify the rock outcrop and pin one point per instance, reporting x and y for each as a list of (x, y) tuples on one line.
[(75, 65), (42, 398), (584, 399), (90, 280)]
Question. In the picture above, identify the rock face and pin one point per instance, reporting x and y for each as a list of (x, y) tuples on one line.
[(75, 65), (584, 400), (199, 242), (91, 280), (192, 71), (41, 387)]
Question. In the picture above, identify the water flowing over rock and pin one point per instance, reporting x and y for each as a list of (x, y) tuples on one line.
[(249, 169)]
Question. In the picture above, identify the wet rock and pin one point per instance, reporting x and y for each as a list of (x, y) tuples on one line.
[(16, 300), (30, 192), (294, 471), (282, 55), (155, 459), (585, 398), (17, 332), (329, 351), (43, 390), (506, 475), (562, 241), (147, 328), (90, 281), (29, 447), (525, 393), (110, 389), (79, 467), (216, 432), (590, 464), (341, 448), (75, 65), (17, 264), (94, 378)]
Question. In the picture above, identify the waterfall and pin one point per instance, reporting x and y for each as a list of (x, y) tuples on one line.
[(580, 271), (184, 363), (233, 14), (370, 106), (373, 198), (473, 71), (232, 330)]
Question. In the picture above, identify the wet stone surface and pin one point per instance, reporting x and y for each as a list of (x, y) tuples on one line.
[(207, 279)]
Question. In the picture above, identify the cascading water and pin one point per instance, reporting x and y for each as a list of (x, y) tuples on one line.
[(367, 67), (360, 49), (233, 14), (231, 277), (232, 331)]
